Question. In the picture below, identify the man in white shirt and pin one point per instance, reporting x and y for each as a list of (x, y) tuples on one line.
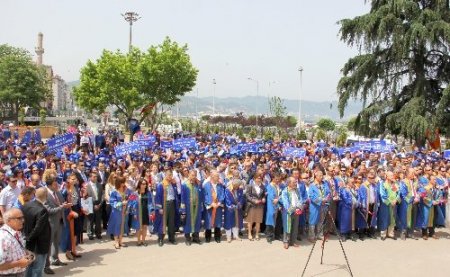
[(9, 195)]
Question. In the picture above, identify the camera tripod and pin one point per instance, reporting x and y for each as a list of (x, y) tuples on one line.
[(327, 214)]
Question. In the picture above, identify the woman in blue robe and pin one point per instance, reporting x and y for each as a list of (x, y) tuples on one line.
[(234, 201), (191, 208), (141, 209), (118, 204)]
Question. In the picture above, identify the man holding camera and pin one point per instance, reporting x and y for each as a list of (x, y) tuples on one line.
[(14, 259)]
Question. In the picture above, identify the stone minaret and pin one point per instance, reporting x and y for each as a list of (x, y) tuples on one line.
[(39, 49)]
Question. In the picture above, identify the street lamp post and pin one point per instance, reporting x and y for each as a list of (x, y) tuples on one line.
[(300, 69), (214, 96), (256, 102), (131, 17)]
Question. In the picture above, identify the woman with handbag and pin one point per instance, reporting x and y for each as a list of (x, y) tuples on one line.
[(256, 200)]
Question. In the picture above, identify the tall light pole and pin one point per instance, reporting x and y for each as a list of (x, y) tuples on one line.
[(257, 94), (214, 96), (131, 17), (300, 69)]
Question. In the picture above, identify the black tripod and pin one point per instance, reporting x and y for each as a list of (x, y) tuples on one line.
[(327, 214)]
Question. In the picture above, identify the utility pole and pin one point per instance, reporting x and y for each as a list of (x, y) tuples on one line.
[(131, 17), (214, 97), (300, 69)]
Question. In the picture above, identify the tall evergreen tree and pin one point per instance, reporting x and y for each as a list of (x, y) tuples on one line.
[(402, 72)]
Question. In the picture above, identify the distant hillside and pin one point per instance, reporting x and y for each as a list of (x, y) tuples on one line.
[(311, 110)]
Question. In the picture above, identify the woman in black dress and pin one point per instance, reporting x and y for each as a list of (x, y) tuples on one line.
[(143, 212)]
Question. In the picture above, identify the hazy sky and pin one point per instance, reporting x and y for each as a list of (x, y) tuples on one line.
[(229, 40)]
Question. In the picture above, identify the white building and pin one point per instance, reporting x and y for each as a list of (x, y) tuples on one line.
[(60, 94)]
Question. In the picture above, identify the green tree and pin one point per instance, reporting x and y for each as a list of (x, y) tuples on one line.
[(137, 80), (268, 135), (342, 135), (22, 82), (240, 132), (321, 135), (276, 107), (326, 124), (351, 124), (42, 116), (302, 135), (403, 69), (22, 116), (252, 133)]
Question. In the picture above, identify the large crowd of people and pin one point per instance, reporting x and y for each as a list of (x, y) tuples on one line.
[(49, 199)]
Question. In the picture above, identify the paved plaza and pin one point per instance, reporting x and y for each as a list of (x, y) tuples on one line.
[(258, 258)]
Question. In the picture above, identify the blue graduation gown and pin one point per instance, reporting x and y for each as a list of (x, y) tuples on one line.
[(135, 209), (208, 192), (361, 214), (272, 209), (384, 212), (346, 211), (159, 225), (115, 218), (406, 199), (303, 197), (233, 209), (439, 218), (192, 210), (425, 206), (288, 209), (315, 202)]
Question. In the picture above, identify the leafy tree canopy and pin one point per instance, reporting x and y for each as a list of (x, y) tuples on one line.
[(22, 82), (326, 124), (137, 80), (403, 69)]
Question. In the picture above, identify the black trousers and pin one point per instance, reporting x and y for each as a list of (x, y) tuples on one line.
[(217, 233), (370, 230), (170, 223), (430, 231), (194, 236), (94, 226), (278, 232), (106, 212)]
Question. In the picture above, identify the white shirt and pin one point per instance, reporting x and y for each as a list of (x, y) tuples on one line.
[(8, 196), (11, 249)]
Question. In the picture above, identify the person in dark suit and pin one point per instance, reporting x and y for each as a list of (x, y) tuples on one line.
[(37, 231), (80, 172), (94, 190), (55, 205), (102, 177)]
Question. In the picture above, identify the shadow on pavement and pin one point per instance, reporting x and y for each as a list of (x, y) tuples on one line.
[(91, 258)]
